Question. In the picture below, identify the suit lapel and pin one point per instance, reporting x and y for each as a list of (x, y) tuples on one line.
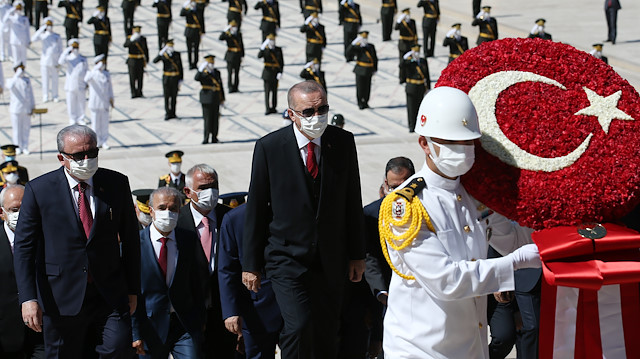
[(148, 255), (102, 207), (62, 186), (326, 158)]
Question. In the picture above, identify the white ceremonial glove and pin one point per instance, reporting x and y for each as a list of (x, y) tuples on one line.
[(227, 28), (308, 20), (264, 44), (278, 76), (135, 36), (202, 66), (308, 64), (407, 55), (96, 13), (451, 33), (161, 53), (343, 2), (526, 256), (19, 72), (97, 67), (480, 15), (187, 4), (179, 85), (356, 40)]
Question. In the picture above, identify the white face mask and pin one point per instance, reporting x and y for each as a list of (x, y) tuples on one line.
[(364, 42), (233, 30), (144, 218), (210, 67), (12, 177), (83, 170), (207, 199), (175, 168), (11, 218), (49, 28), (314, 126), (165, 220), (453, 160)]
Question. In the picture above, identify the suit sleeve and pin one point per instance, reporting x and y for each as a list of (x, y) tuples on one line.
[(130, 239), (258, 213), (28, 237), (373, 271), (230, 269), (353, 205)]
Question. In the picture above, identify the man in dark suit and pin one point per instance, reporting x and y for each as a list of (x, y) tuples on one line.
[(272, 72), (128, 9), (270, 16), (203, 217), (234, 55), (172, 76), (102, 31), (417, 82), (77, 251), (192, 33), (611, 8), (316, 38), (170, 313), (211, 97), (457, 43), (351, 20), (305, 228), (16, 340), (487, 24), (366, 66), (388, 10), (137, 60), (312, 72), (429, 24), (255, 316), (163, 20)]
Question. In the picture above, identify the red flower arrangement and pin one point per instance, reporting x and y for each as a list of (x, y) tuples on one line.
[(561, 132)]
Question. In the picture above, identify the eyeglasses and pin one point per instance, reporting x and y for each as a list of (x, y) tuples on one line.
[(308, 112), (79, 156)]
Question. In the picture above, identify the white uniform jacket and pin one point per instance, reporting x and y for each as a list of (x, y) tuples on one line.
[(21, 101), (4, 10), (443, 312), (51, 47), (100, 89), (76, 69), (19, 28)]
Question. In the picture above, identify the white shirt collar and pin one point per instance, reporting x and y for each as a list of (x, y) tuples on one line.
[(302, 140), (197, 216)]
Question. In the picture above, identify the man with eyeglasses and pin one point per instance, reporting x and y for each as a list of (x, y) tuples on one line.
[(305, 228), (77, 254)]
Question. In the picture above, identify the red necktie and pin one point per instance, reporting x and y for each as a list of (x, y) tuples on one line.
[(84, 209), (162, 258), (312, 165), (205, 239)]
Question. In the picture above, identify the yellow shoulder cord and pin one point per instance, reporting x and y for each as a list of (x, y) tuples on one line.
[(414, 211)]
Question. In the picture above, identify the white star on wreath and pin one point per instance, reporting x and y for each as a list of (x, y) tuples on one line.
[(604, 108)]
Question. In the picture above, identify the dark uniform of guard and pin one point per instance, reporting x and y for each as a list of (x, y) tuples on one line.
[(192, 33), (42, 10), (171, 77), (408, 37), (270, 16), (488, 28), (457, 46), (429, 24), (9, 154), (234, 55), (72, 18), (310, 73), (310, 6), (200, 6), (388, 10), (366, 66), (137, 61), (236, 8), (175, 159), (273, 65), (234, 199), (316, 39), (540, 34), (211, 97), (142, 206), (351, 20), (102, 33), (163, 21), (128, 9), (597, 51), (28, 10), (417, 83)]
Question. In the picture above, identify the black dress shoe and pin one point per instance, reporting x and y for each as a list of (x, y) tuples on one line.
[(205, 142), (267, 112), (273, 110), (166, 117), (192, 67), (215, 140)]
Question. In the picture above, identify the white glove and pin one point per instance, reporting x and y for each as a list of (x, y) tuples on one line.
[(135, 36), (343, 2), (97, 67), (227, 28), (308, 64), (68, 50), (402, 17), (202, 66), (308, 20), (19, 72), (278, 76), (161, 53), (356, 40), (480, 14), (96, 13), (407, 55), (187, 4), (526, 256), (264, 44), (179, 85), (451, 33)]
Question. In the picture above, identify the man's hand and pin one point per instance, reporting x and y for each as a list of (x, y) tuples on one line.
[(503, 297), (234, 324), (251, 280), (139, 347), (32, 315), (375, 347), (383, 298), (133, 303), (356, 270)]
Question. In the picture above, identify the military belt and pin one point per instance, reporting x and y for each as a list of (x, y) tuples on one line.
[(233, 49), (453, 56), (172, 73), (72, 16), (387, 5), (408, 38), (430, 16), (310, 7), (212, 88), (164, 15), (415, 82), (349, 19), (42, 0), (136, 56), (314, 41), (193, 26), (102, 32), (235, 9), (488, 36), (269, 64), (364, 64), (269, 18)]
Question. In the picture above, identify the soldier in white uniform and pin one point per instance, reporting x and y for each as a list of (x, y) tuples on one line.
[(5, 48), (100, 98), (76, 68), (438, 309), (21, 105), (19, 37), (51, 50)]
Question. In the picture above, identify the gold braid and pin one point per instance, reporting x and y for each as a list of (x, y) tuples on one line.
[(415, 212)]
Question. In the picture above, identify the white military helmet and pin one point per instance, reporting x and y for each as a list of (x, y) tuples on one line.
[(449, 114)]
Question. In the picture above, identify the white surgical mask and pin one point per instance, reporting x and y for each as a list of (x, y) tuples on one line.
[(453, 160), (314, 126), (233, 30), (49, 28), (210, 67), (12, 177), (144, 218), (84, 169), (175, 168), (207, 199), (11, 218), (165, 220)]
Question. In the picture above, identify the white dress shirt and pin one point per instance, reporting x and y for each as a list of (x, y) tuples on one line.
[(172, 250), (302, 145), (75, 193), (213, 227)]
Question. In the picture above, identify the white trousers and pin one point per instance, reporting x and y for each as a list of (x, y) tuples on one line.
[(21, 123), (19, 55), (49, 82), (100, 124), (76, 102), (5, 46)]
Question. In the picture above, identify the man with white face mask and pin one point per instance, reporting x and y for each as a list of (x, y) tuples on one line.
[(75, 66), (73, 9), (175, 178), (272, 72), (19, 37), (9, 174), (21, 105), (51, 50), (304, 223), (100, 99), (442, 276), (141, 204), (211, 97), (538, 30), (366, 66), (487, 24), (234, 54), (312, 72), (102, 31), (170, 282), (316, 38), (203, 217), (78, 220), (457, 43)]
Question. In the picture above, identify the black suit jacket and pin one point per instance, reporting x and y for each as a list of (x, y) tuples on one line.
[(283, 228), (378, 272), (52, 256), (11, 325)]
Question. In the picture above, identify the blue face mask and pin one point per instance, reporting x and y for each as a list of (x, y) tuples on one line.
[(9, 158)]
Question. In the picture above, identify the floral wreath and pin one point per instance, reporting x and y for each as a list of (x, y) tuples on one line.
[(560, 129)]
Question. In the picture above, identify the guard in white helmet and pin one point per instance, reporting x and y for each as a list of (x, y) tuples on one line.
[(100, 99), (51, 50), (19, 37), (75, 65), (435, 236)]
